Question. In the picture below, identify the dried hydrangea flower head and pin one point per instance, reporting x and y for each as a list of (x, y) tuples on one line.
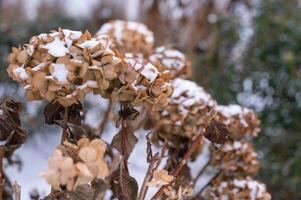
[(241, 121), (63, 65), (61, 172), (73, 165), (173, 60), (236, 157), (129, 36), (143, 84), (160, 177), (188, 112), (238, 188)]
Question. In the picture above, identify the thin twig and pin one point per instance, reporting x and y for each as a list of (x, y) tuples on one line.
[(2, 180), (105, 119), (124, 141), (201, 172), (183, 162), (17, 191), (65, 125), (147, 177), (198, 194)]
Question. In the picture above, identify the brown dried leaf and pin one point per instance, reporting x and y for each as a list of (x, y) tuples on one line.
[(10, 130), (125, 187), (129, 140), (217, 132), (54, 113), (128, 112)]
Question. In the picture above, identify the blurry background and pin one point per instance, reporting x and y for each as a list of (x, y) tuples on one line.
[(243, 51)]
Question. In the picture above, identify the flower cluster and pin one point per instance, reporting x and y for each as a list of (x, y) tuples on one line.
[(188, 111), (64, 65), (237, 157), (173, 60), (241, 121), (73, 165), (143, 82), (129, 36), (238, 188), (180, 189), (160, 177)]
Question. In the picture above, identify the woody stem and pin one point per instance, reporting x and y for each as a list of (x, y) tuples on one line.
[(65, 125), (2, 180), (183, 162), (105, 118)]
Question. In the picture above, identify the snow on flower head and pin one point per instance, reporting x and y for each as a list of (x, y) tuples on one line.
[(237, 157), (187, 113), (237, 188), (173, 60), (160, 177), (129, 36), (241, 121), (63, 65)]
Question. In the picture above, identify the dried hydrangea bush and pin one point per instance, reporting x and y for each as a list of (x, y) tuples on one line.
[(120, 63)]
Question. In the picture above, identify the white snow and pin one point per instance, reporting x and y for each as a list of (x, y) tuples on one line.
[(89, 83), (194, 93), (60, 72), (89, 44), (173, 63), (232, 110), (174, 53), (150, 72), (20, 71), (39, 67), (119, 27), (56, 48), (73, 35)]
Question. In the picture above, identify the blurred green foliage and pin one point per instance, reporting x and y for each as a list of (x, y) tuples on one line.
[(268, 78)]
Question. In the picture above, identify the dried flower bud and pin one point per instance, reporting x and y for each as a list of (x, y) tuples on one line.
[(10, 125), (180, 189), (74, 165), (188, 112), (240, 188), (173, 60), (160, 177), (241, 122), (63, 66), (236, 158), (129, 36)]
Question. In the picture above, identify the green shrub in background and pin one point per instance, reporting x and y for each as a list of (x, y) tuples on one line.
[(268, 79)]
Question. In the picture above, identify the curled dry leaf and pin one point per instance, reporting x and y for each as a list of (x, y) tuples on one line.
[(125, 187), (216, 132), (10, 126), (54, 113)]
